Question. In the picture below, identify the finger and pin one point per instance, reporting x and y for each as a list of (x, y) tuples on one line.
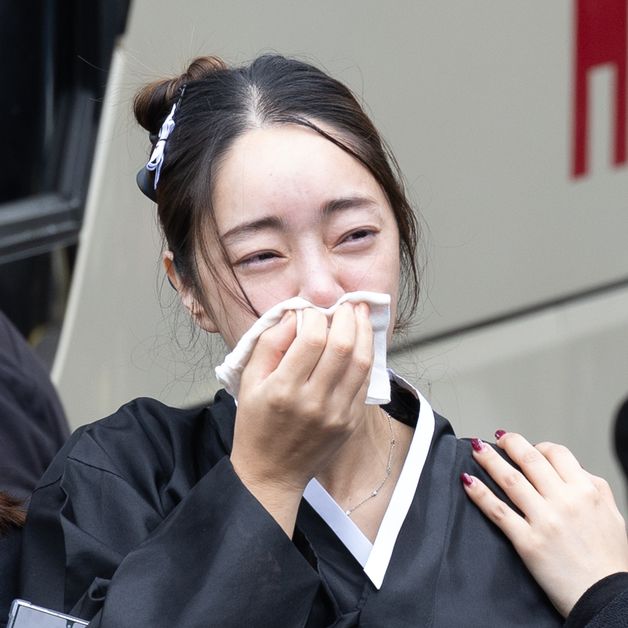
[(533, 464), (271, 347), (565, 463), (515, 527), (521, 492), (304, 353), (356, 378), (351, 378), (335, 362)]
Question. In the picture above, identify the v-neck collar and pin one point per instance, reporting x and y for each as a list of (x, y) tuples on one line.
[(375, 557)]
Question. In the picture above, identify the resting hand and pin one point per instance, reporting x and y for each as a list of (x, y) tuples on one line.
[(571, 534), (301, 397)]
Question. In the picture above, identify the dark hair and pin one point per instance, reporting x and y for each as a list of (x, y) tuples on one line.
[(12, 514), (219, 105)]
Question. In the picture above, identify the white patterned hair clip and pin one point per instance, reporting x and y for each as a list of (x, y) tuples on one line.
[(157, 156)]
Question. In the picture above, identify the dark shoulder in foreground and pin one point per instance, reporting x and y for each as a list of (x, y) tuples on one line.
[(146, 436)]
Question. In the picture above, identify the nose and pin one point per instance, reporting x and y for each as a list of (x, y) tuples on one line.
[(321, 281)]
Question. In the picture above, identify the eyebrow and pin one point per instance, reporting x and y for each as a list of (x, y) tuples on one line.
[(254, 226), (350, 202), (276, 223)]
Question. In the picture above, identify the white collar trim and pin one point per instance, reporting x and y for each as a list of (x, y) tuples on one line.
[(375, 557)]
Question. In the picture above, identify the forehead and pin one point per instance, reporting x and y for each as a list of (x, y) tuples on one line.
[(287, 168)]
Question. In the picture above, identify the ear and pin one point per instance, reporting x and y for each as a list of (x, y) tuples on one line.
[(191, 304)]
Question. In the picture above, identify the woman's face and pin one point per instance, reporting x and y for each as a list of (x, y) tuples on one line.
[(298, 216)]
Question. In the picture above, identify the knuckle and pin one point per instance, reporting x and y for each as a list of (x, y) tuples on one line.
[(589, 492), (342, 349), (498, 512), (600, 483), (363, 363), (314, 340), (280, 399), (512, 479), (336, 424), (309, 410), (532, 456)]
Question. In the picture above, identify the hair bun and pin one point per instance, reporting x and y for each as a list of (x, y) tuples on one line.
[(153, 102)]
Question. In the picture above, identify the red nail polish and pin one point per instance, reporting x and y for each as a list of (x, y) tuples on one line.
[(499, 434), (467, 480), (477, 444)]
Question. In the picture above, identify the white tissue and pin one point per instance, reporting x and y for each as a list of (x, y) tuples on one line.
[(229, 372)]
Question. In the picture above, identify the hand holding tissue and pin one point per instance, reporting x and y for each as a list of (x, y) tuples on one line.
[(229, 372)]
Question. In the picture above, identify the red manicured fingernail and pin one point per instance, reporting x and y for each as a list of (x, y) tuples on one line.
[(467, 480), (499, 434), (477, 444)]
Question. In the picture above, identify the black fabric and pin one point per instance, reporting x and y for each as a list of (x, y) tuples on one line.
[(604, 605), (9, 565), (32, 422), (141, 521)]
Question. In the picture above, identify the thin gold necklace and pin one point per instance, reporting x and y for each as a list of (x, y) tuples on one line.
[(380, 486)]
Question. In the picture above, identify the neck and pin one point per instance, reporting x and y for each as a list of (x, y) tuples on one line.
[(360, 467), (361, 463)]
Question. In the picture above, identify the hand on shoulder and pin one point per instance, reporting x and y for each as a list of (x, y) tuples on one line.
[(571, 533)]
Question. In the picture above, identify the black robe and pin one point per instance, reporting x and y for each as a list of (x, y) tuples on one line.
[(32, 422), (141, 521), (32, 430)]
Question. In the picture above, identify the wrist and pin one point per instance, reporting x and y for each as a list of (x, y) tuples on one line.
[(254, 470), (280, 497)]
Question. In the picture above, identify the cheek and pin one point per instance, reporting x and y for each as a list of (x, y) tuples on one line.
[(379, 274), (229, 312), (265, 292)]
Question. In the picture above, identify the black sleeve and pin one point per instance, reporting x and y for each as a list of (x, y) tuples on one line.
[(604, 605), (97, 546), (32, 422)]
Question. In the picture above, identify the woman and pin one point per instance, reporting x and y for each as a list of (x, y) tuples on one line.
[(302, 505)]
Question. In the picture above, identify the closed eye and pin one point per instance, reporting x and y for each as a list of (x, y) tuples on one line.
[(358, 235), (257, 258)]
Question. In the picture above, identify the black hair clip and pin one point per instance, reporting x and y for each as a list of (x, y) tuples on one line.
[(146, 183)]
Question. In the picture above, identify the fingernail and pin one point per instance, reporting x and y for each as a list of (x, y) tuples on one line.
[(499, 434), (363, 310), (466, 479), (477, 444)]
